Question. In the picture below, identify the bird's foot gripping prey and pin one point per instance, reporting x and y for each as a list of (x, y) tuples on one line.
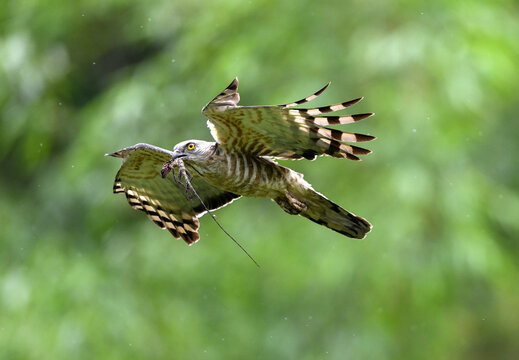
[(241, 162), (182, 173)]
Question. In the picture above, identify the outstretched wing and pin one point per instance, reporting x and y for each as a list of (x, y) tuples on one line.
[(282, 131), (164, 200)]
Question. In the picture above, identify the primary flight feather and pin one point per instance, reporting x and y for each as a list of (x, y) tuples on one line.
[(242, 163)]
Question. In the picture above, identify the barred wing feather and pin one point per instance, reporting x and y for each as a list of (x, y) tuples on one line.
[(282, 131), (164, 200)]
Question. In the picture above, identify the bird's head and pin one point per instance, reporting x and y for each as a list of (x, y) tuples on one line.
[(193, 151)]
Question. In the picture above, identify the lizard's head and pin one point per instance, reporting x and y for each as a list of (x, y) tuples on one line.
[(194, 151)]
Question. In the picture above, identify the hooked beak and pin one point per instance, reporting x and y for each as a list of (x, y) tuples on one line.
[(177, 154), (168, 165)]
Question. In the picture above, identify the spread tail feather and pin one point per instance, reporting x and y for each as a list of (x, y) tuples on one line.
[(320, 210)]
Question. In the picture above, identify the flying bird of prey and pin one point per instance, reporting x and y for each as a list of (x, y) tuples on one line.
[(241, 162)]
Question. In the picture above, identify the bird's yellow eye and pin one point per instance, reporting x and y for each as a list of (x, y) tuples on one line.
[(190, 146)]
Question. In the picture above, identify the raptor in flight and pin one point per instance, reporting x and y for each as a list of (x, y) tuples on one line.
[(242, 163)]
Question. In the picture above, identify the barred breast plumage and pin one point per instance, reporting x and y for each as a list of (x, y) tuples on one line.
[(243, 174)]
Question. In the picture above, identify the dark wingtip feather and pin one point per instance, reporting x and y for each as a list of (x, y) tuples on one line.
[(360, 151), (319, 92), (308, 98), (363, 137), (352, 102), (352, 157), (358, 117), (190, 237), (233, 85)]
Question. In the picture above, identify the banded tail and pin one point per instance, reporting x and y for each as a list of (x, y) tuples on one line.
[(325, 212), (322, 211)]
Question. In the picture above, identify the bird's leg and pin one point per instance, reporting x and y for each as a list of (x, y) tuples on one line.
[(291, 204), (182, 173)]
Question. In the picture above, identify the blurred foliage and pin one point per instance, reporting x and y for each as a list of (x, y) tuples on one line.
[(84, 276)]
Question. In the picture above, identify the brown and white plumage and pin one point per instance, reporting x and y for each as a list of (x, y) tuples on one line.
[(164, 200), (241, 162), (281, 131)]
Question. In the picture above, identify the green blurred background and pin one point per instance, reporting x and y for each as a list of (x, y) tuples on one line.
[(83, 276)]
